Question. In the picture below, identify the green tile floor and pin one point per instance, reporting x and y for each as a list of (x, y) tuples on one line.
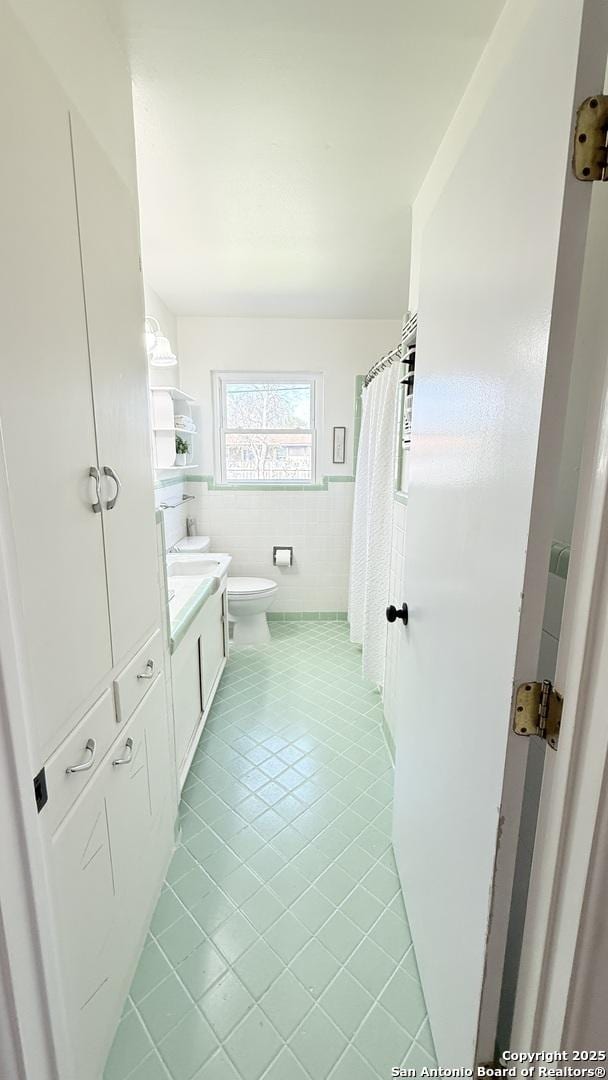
[(280, 948)]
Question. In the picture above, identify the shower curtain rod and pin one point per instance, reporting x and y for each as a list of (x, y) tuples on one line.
[(381, 364), (403, 351)]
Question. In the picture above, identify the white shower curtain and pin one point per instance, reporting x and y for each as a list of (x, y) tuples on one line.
[(372, 521)]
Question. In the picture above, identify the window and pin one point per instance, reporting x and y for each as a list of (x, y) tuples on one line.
[(266, 427)]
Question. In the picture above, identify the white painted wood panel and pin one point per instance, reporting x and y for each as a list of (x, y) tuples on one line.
[(45, 404), (212, 644), (187, 694), (109, 237), (501, 265), (86, 919)]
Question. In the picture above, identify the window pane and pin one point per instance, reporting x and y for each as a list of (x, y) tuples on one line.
[(268, 405), (267, 457)]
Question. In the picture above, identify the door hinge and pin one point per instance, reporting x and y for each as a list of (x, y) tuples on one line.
[(590, 157), (538, 711)]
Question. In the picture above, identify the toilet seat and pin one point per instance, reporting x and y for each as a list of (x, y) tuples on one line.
[(240, 588)]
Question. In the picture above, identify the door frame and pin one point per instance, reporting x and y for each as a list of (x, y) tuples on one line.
[(572, 795), (34, 1042)]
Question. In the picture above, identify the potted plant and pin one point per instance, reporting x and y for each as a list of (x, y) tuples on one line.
[(181, 450)]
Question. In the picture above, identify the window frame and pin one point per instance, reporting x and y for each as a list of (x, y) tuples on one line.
[(221, 379)]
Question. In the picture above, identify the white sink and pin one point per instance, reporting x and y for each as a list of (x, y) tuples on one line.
[(197, 565)]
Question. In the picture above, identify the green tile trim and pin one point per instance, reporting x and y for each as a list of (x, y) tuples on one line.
[(307, 616), (358, 414), (190, 610), (388, 735), (560, 559), (159, 516), (201, 478), (400, 497)]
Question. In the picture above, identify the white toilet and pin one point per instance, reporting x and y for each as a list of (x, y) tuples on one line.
[(248, 601)]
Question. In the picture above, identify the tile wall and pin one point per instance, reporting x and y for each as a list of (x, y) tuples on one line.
[(247, 524), (174, 516)]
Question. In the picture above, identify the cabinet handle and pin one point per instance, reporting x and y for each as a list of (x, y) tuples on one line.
[(109, 471), (90, 747), (149, 672), (128, 755), (96, 504)]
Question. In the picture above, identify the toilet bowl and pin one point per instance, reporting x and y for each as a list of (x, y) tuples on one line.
[(248, 602)]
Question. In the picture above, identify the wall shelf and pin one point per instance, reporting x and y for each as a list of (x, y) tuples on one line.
[(179, 430), (175, 393), (176, 468), (168, 405)]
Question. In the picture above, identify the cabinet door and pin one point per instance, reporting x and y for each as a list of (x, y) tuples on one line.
[(46, 408), (86, 921), (187, 694), (139, 782), (109, 237), (212, 643)]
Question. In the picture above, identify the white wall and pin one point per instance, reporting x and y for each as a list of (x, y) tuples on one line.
[(89, 61), (316, 523), (489, 69), (340, 348)]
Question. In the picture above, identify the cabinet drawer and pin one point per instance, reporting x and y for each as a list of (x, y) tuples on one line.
[(98, 725), (136, 679)]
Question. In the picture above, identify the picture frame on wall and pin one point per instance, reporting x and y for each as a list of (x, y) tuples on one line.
[(339, 457)]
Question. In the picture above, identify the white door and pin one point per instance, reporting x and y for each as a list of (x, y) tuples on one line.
[(109, 236), (46, 411), (497, 311)]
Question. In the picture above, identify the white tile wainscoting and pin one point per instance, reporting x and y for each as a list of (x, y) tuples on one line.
[(316, 523), (174, 516)]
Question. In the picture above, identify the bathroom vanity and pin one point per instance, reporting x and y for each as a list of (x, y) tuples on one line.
[(198, 636)]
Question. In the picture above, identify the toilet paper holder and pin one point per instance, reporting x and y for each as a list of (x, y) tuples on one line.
[(282, 547)]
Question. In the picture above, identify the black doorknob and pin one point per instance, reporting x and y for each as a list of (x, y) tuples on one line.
[(393, 613)]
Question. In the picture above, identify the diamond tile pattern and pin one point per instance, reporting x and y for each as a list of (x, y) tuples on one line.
[(280, 946)]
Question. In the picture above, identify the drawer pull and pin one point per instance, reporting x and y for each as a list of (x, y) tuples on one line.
[(128, 754), (149, 672), (90, 747)]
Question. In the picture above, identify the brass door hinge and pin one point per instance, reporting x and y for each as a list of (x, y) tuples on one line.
[(590, 157), (538, 711)]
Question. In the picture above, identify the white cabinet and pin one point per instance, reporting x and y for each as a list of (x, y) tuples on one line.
[(46, 408), (113, 290), (82, 885), (196, 667), (105, 878), (74, 398)]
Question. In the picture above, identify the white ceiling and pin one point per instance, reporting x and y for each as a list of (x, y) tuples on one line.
[(281, 143)]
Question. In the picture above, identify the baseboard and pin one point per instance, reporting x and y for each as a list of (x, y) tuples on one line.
[(306, 616)]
